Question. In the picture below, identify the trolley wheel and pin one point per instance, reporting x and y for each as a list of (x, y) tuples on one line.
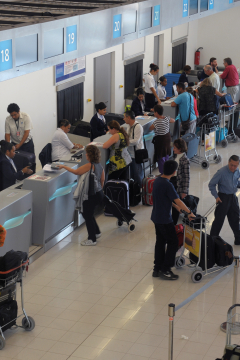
[(197, 276), (205, 164), (2, 342), (179, 262), (119, 223), (26, 325), (217, 159), (131, 227), (224, 143), (235, 139)]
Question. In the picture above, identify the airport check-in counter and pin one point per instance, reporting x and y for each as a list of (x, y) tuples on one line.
[(168, 110), (16, 217), (53, 205)]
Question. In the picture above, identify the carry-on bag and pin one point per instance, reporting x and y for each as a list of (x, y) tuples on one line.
[(83, 128), (8, 314), (118, 191), (23, 159), (223, 252), (192, 141), (134, 193), (210, 253), (147, 187), (112, 116), (12, 260), (180, 234)]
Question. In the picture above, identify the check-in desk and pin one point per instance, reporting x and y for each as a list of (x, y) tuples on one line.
[(168, 110), (16, 218), (53, 205)]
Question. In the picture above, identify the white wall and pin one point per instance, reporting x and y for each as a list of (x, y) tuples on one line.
[(35, 95), (192, 43), (218, 35)]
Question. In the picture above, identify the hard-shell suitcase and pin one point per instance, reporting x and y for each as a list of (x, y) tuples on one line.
[(147, 187), (210, 253), (8, 314), (223, 252), (134, 193), (192, 141), (118, 191), (23, 159)]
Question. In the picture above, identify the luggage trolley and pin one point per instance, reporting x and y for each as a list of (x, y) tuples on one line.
[(229, 137), (8, 291), (195, 232), (209, 126)]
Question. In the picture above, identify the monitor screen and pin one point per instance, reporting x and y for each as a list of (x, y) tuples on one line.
[(26, 49), (193, 8), (53, 43), (129, 22), (145, 18)]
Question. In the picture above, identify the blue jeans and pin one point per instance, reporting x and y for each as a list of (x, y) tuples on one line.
[(136, 172)]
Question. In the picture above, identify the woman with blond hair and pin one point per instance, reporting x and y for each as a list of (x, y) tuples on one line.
[(207, 97)]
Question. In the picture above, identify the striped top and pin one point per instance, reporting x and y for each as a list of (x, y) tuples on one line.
[(162, 126)]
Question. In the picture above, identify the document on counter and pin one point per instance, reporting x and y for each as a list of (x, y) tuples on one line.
[(48, 167), (143, 117), (39, 177), (96, 143)]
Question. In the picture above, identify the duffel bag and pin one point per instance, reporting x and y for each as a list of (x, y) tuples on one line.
[(223, 252)]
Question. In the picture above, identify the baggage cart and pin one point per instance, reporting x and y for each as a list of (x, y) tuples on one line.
[(225, 112), (8, 291), (195, 237)]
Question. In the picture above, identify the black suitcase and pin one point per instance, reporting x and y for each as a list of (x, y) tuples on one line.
[(23, 159), (118, 191), (118, 117), (11, 260), (210, 253), (83, 129), (134, 193), (192, 141), (8, 314), (223, 252)]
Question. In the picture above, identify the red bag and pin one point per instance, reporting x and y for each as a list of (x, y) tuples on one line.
[(147, 189), (180, 233)]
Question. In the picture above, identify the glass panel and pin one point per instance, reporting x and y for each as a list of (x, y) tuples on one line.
[(129, 22), (193, 8), (53, 43), (203, 5), (145, 18), (26, 49)]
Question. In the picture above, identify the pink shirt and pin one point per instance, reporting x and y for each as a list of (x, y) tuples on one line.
[(195, 107), (230, 75)]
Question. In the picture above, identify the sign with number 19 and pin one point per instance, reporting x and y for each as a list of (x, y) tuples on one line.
[(71, 38), (6, 55), (117, 25)]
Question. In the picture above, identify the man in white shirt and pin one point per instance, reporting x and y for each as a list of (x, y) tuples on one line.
[(213, 77), (135, 133), (61, 145)]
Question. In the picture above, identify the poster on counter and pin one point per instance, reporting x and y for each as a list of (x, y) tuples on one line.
[(210, 141), (39, 177), (70, 69), (192, 240)]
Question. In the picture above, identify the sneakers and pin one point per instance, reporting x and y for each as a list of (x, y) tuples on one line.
[(168, 275), (155, 273), (98, 235), (88, 243)]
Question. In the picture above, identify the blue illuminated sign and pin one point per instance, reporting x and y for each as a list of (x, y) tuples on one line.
[(71, 38), (230, 1), (211, 4), (156, 15), (6, 62), (185, 8), (117, 25)]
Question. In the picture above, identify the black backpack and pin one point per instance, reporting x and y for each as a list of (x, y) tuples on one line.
[(223, 252), (8, 314), (11, 260)]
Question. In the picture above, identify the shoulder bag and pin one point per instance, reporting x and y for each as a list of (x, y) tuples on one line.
[(186, 124), (141, 155), (92, 181)]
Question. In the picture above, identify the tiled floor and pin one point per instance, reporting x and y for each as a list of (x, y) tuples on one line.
[(102, 302)]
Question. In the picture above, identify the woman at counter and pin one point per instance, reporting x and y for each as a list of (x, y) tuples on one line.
[(9, 174), (162, 93), (61, 145), (190, 90), (120, 158), (184, 76), (162, 139), (98, 122), (93, 158), (138, 105), (207, 98), (150, 91)]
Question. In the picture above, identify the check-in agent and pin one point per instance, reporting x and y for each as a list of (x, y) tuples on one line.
[(98, 122), (18, 127), (150, 91)]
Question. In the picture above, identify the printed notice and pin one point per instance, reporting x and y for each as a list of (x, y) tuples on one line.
[(38, 177)]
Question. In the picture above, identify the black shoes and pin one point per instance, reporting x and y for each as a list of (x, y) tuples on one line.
[(155, 273), (236, 242), (165, 275)]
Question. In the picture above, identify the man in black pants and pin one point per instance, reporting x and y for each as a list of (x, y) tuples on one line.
[(227, 180), (163, 196)]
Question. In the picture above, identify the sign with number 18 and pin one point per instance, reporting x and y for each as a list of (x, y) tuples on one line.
[(6, 55)]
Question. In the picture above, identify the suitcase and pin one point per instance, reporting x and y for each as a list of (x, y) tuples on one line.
[(11, 260), (223, 252), (192, 141), (231, 352), (134, 193), (147, 187), (180, 233), (226, 100), (82, 129), (23, 159), (210, 253), (8, 314), (118, 117), (118, 191)]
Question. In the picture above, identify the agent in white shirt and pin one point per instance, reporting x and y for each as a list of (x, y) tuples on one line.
[(150, 91), (61, 145), (162, 93), (213, 77), (135, 133)]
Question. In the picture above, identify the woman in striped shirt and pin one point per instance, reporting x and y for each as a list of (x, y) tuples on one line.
[(162, 139)]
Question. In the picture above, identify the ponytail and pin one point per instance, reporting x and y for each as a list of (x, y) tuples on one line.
[(153, 67), (115, 125), (5, 146)]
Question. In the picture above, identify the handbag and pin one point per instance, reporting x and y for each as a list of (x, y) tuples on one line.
[(186, 124), (91, 188), (141, 155)]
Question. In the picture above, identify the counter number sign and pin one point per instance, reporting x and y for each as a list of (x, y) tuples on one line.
[(230, 1), (71, 38), (185, 8), (6, 62), (117, 26), (156, 15), (211, 4)]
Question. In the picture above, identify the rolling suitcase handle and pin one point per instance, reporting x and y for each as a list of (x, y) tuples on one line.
[(144, 166)]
